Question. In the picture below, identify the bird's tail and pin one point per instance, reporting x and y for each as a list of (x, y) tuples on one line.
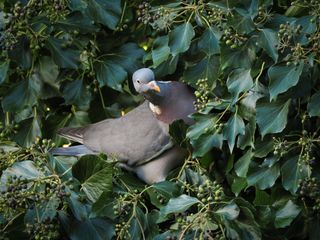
[(78, 150)]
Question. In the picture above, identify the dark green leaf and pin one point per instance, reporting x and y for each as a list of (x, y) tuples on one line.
[(283, 77), (77, 21), (286, 214), (4, 67), (239, 81), (180, 38), (232, 129), (242, 165), (209, 41), (160, 50), (314, 105), (179, 204), (206, 142), (268, 40), (229, 212), (28, 132), (110, 74), (292, 173), (22, 95), (94, 174), (105, 12), (76, 93), (264, 178), (65, 58), (48, 71), (272, 117)]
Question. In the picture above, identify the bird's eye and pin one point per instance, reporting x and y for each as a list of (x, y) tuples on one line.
[(138, 81)]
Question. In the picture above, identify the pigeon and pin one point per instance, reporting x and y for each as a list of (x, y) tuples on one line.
[(140, 139)]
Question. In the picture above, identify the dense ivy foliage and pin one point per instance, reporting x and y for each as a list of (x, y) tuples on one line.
[(253, 169)]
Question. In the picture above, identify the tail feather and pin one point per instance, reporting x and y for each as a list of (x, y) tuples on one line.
[(78, 150), (74, 134)]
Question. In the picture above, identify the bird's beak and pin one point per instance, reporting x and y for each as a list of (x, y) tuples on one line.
[(154, 86)]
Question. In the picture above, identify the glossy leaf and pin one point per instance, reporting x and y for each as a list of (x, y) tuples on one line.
[(286, 214), (242, 165), (239, 81), (179, 204), (268, 40), (232, 129), (283, 77), (314, 105), (180, 38), (160, 50), (272, 117), (209, 41)]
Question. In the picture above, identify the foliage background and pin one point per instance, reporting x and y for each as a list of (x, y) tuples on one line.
[(253, 170)]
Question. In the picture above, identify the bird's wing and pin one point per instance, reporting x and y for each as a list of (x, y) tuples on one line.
[(135, 138)]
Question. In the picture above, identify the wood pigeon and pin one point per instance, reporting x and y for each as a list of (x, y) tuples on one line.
[(140, 139)]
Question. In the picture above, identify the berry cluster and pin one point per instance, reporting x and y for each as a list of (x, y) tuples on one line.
[(202, 94), (312, 5), (309, 191), (7, 130), (280, 147), (263, 15), (20, 18), (144, 13), (22, 194), (233, 39), (213, 15), (44, 230)]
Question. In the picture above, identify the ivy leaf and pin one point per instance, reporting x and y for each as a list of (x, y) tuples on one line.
[(23, 94), (242, 165), (314, 105), (268, 39), (229, 212), (283, 77), (264, 177), (25, 169), (110, 74), (75, 92), (207, 67), (240, 58), (77, 21), (48, 71), (4, 67), (160, 50), (95, 175), (232, 129), (248, 138), (180, 38), (105, 12), (128, 56), (28, 132), (203, 123), (286, 214), (65, 58), (272, 117), (292, 173), (179, 204), (239, 80), (206, 142), (209, 42)]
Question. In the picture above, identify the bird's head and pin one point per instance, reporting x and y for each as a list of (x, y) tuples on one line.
[(145, 84)]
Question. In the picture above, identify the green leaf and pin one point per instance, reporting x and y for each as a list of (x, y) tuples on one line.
[(180, 38), (28, 132), (205, 143), (65, 58), (248, 138), (76, 93), (239, 58), (272, 117), (292, 173), (110, 74), (283, 77), (229, 212), (232, 129), (238, 185), (209, 42), (262, 198), (160, 50), (48, 71), (314, 105), (286, 214), (77, 21), (62, 165), (242, 165), (128, 56), (208, 67), (202, 124), (268, 39), (4, 67), (105, 12), (25, 169), (239, 81), (94, 174), (179, 204), (264, 178), (23, 94)]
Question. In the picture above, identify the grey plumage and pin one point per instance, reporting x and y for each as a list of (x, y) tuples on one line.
[(140, 139)]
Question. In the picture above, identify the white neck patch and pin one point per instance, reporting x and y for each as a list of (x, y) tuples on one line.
[(155, 109)]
